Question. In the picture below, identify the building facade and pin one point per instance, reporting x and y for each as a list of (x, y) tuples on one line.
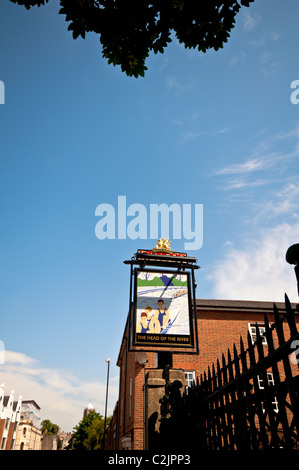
[(88, 409), (220, 324), (29, 436), (10, 412)]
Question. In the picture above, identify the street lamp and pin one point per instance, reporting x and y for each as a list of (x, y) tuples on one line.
[(292, 257), (108, 362)]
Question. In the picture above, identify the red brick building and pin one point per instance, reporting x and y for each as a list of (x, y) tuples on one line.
[(220, 324)]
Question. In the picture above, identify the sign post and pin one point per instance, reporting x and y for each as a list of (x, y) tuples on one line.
[(162, 307)]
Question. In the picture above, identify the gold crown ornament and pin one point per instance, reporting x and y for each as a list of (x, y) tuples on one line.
[(163, 246)]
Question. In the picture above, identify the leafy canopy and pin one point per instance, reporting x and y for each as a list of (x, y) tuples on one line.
[(130, 29), (48, 427), (88, 433)]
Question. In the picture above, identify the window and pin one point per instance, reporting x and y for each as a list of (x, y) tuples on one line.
[(252, 331), (270, 380), (190, 378), (6, 423), (3, 443)]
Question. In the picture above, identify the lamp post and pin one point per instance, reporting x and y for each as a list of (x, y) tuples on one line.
[(292, 257), (108, 362)]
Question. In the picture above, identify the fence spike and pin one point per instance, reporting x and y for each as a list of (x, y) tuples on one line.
[(214, 378), (287, 302), (251, 350), (224, 369), (219, 375), (278, 325), (259, 343), (290, 316), (236, 360), (276, 313), (230, 366), (268, 333), (209, 383), (243, 355)]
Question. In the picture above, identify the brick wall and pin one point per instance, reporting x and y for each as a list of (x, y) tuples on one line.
[(2, 425), (10, 435)]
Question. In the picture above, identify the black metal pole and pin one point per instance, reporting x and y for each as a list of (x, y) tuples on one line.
[(297, 276), (108, 361)]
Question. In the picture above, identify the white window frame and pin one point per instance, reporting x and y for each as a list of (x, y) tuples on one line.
[(252, 332), (270, 379), (190, 377)]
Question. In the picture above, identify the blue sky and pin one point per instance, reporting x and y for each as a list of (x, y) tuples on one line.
[(217, 129)]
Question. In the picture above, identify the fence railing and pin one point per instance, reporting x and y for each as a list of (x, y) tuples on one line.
[(248, 400)]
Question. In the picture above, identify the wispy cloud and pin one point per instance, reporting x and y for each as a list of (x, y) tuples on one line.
[(265, 39), (265, 155), (249, 21), (284, 201), (224, 130), (246, 167), (259, 271), (188, 135), (239, 183), (178, 88), (61, 394), (264, 187), (237, 58)]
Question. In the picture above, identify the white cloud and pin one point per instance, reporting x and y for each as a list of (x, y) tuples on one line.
[(191, 135), (12, 357), (250, 21), (259, 271), (266, 155), (173, 85), (61, 395), (237, 58), (282, 202), (246, 167), (241, 184), (265, 58), (223, 131), (263, 40)]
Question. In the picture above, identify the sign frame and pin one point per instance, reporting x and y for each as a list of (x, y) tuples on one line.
[(153, 337), (161, 261)]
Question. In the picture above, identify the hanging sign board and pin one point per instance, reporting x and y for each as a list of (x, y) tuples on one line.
[(162, 312)]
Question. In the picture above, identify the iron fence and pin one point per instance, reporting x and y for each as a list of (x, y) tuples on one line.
[(248, 400)]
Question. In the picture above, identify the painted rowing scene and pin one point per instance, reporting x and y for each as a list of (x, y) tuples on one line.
[(162, 305)]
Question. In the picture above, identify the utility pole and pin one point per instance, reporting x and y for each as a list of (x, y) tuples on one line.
[(107, 385)]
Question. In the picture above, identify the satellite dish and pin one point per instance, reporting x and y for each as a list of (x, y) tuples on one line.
[(141, 357)]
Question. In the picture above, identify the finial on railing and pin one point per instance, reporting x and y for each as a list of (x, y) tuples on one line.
[(292, 257)]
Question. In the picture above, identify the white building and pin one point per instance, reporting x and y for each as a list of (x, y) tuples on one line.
[(29, 436), (10, 414)]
